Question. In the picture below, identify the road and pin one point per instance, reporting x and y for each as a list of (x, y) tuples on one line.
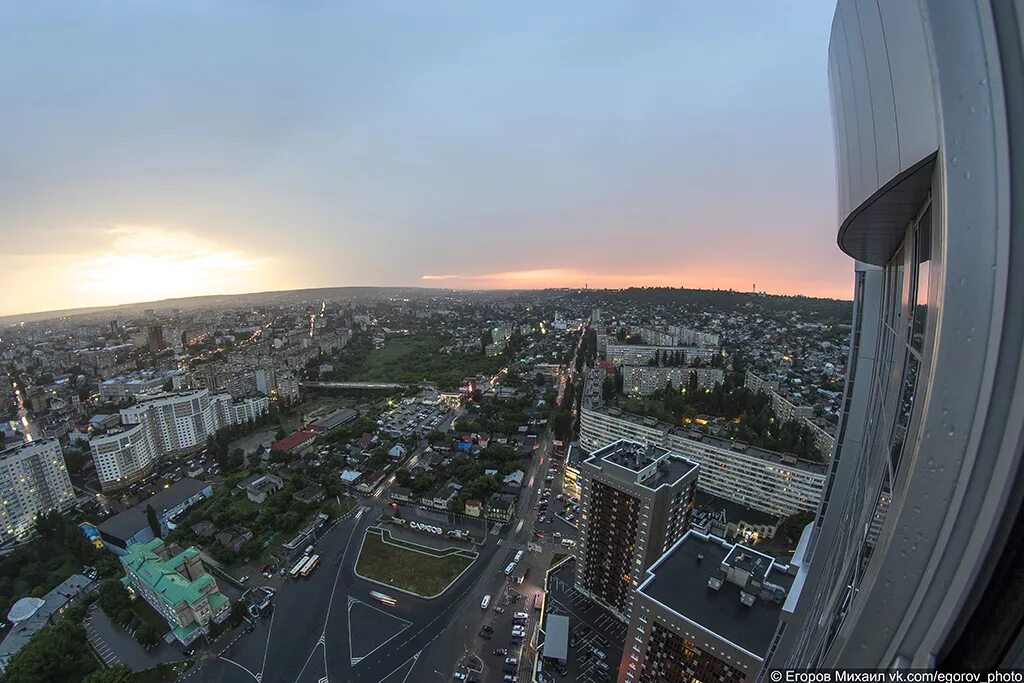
[(328, 628)]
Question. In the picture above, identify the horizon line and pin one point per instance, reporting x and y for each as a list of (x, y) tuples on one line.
[(86, 310)]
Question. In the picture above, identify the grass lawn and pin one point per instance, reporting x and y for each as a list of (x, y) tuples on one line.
[(162, 673), (414, 358), (392, 565), (148, 615)]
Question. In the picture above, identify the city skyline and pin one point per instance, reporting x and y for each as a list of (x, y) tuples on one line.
[(454, 147)]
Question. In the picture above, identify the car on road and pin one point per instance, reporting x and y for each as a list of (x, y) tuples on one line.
[(485, 602), (500, 652), (509, 678), (511, 660), (486, 632), (459, 676), (189, 652)]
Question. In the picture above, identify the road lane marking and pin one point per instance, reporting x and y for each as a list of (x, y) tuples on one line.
[(231, 661)]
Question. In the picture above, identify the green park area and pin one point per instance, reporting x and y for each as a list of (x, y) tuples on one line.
[(410, 567), (411, 358)]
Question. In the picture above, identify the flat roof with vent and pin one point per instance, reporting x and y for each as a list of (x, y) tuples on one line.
[(693, 580), (649, 466)]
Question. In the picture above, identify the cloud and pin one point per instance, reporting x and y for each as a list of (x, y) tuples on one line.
[(125, 264)]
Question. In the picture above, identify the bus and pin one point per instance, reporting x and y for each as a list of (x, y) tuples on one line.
[(384, 599), (297, 569), (519, 556), (311, 564)]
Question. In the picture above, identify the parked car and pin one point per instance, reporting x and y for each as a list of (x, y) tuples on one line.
[(511, 660), (521, 615), (500, 652)]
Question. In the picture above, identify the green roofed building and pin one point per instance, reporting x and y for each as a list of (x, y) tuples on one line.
[(178, 586)]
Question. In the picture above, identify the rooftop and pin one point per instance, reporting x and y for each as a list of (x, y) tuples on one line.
[(734, 512), (338, 417), (162, 575), (52, 602), (649, 466), (126, 524), (684, 579), (724, 444), (294, 439)]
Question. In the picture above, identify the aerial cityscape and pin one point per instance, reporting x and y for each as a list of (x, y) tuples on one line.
[(387, 451)]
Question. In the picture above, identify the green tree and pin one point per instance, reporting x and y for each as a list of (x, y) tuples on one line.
[(113, 598), (56, 653), (147, 636), (117, 674), (608, 388), (108, 566), (154, 521)]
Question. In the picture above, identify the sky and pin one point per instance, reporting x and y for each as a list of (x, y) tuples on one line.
[(153, 150)]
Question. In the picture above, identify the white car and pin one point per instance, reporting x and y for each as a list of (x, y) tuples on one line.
[(521, 615)]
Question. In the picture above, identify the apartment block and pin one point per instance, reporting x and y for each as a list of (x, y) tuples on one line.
[(633, 354), (636, 501), (33, 481), (643, 380), (707, 610), (775, 483)]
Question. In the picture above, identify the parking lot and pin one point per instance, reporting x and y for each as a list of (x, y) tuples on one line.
[(415, 418), (593, 632)]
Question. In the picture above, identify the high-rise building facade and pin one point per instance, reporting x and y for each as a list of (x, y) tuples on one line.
[(166, 424), (33, 481), (914, 557), (179, 421), (123, 455), (776, 483), (636, 501), (706, 611)]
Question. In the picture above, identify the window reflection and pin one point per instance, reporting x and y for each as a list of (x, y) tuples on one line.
[(923, 258)]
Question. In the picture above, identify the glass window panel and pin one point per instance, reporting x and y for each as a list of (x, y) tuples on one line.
[(904, 411), (920, 316)]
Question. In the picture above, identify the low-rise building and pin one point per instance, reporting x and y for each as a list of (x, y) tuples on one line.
[(259, 487), (234, 537), (296, 442), (730, 520), (177, 585), (501, 507), (310, 495), (29, 615), (132, 525)]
